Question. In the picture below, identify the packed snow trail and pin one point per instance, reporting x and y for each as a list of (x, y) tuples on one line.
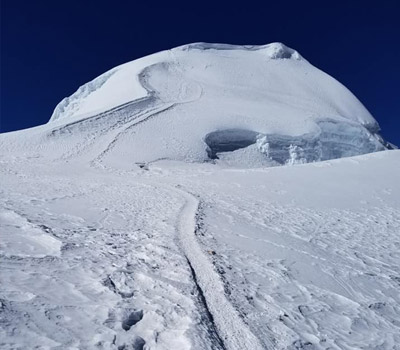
[(231, 328)]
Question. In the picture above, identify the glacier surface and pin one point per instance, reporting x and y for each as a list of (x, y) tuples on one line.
[(168, 204)]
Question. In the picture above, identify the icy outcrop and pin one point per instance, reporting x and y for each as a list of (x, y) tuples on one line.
[(333, 140)]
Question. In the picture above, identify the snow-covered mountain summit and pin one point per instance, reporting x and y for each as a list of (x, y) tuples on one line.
[(142, 215), (198, 101)]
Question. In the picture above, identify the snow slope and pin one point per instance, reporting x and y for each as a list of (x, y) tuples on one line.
[(146, 213)]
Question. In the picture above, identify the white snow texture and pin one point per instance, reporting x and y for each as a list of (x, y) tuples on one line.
[(211, 196)]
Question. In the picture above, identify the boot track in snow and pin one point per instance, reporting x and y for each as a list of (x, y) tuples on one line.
[(231, 329)]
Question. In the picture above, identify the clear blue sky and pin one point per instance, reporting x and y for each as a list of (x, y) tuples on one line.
[(50, 48)]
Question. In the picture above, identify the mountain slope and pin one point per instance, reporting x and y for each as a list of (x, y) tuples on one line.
[(146, 213)]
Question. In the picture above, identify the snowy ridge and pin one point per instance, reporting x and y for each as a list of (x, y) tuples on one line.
[(110, 90), (273, 50), (69, 105)]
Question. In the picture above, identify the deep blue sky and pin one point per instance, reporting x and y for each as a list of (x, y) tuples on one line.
[(50, 48)]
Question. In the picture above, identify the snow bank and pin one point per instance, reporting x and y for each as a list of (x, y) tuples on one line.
[(21, 238)]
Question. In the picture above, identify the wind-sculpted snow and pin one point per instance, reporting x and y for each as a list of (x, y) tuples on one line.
[(69, 105), (273, 51), (147, 213)]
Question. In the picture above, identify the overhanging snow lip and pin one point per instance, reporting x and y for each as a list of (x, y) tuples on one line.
[(275, 50)]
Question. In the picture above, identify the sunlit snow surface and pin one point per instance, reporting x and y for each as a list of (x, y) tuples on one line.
[(146, 213)]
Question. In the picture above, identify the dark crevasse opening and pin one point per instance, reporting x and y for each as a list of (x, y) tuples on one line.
[(228, 140), (332, 139)]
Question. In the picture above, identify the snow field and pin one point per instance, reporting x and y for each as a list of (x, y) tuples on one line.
[(146, 214)]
